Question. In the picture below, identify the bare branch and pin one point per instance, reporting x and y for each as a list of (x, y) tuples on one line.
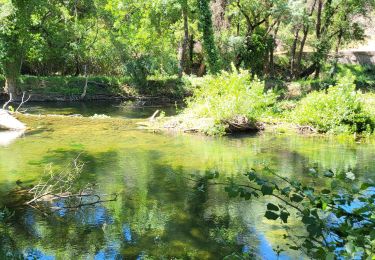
[(10, 100), (23, 101)]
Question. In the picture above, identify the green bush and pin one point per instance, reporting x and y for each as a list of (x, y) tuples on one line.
[(229, 95), (339, 109)]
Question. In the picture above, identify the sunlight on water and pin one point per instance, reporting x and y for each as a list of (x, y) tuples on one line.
[(159, 212)]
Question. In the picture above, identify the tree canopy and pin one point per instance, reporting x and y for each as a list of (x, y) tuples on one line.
[(142, 38)]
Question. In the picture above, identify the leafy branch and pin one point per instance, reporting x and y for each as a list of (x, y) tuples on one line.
[(339, 220)]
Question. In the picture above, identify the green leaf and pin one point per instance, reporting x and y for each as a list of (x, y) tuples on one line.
[(267, 189), (326, 191), (284, 216), (252, 175), (272, 207), (296, 198), (286, 191), (372, 235), (329, 174), (308, 220), (246, 195), (313, 172), (324, 205), (314, 230), (366, 185), (271, 215), (232, 191)]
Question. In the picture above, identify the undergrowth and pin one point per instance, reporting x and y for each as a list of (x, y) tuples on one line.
[(226, 96), (339, 109)]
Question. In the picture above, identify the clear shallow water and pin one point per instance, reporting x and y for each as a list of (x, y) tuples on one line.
[(159, 213), (126, 109)]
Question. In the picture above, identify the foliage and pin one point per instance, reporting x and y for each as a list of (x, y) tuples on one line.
[(364, 74), (208, 35), (227, 95), (338, 219), (338, 109), (71, 86), (7, 249), (136, 39), (5, 214)]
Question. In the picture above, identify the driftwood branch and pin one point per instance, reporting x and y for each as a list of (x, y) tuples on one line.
[(23, 101), (10, 100), (306, 129), (83, 95), (59, 187), (154, 115)]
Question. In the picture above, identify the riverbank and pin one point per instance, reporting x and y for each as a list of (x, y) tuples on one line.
[(166, 89), (234, 102), (66, 89)]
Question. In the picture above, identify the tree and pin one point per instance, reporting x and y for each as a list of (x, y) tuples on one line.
[(184, 55), (209, 46), (14, 38), (258, 23)]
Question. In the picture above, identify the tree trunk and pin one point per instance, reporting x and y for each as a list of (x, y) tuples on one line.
[(11, 86), (293, 53), (86, 82), (319, 19), (336, 60), (218, 8), (12, 69), (272, 51), (318, 37), (184, 59), (306, 29), (301, 48), (209, 45)]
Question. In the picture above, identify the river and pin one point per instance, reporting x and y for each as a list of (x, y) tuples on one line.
[(160, 213)]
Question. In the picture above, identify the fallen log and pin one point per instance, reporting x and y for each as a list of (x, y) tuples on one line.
[(242, 124)]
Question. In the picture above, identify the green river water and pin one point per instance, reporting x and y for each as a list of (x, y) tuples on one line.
[(159, 213)]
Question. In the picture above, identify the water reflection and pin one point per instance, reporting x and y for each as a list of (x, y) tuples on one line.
[(159, 213), (127, 109)]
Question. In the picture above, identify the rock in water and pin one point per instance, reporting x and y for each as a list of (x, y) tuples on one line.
[(7, 137), (7, 121)]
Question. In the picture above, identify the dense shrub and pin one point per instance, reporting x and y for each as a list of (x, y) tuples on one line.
[(229, 95), (339, 109)]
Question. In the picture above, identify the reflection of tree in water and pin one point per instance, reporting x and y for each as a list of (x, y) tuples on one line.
[(184, 227), (8, 247), (159, 212), (75, 233)]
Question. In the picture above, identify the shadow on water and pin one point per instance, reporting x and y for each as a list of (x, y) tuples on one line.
[(90, 108), (159, 212)]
